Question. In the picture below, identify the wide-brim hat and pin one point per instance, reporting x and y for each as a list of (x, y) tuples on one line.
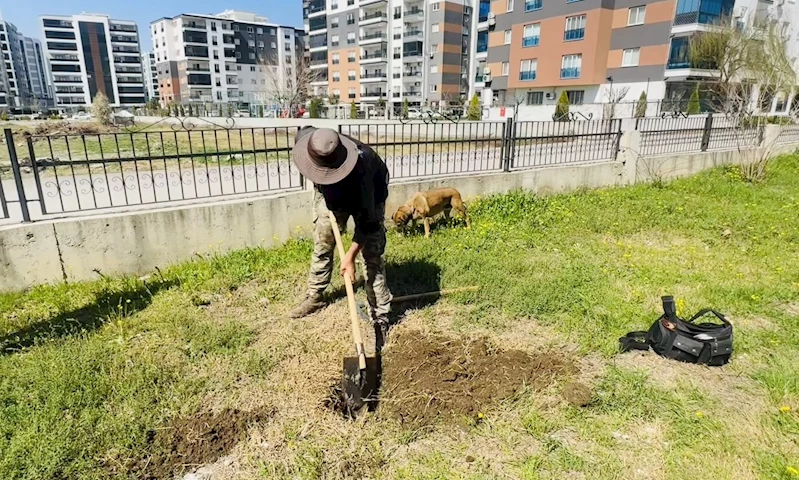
[(325, 157)]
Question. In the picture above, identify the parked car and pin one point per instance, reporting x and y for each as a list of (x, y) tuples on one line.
[(414, 113), (82, 116)]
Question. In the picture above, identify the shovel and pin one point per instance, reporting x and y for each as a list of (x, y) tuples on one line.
[(361, 373)]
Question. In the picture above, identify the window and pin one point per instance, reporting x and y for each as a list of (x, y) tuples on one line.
[(535, 98), (351, 75), (575, 97), (334, 22), (397, 12), (507, 36), (235, 28), (510, 6), (238, 67), (287, 36), (530, 5), (629, 57), (287, 47), (249, 30), (350, 38), (214, 41), (575, 28), (350, 18), (333, 41), (272, 31), (351, 92), (434, 28), (334, 6), (505, 68), (397, 33), (528, 69), (252, 68), (435, 6), (237, 41), (433, 88), (252, 56), (216, 55), (335, 59), (254, 81), (238, 54), (336, 92), (570, 66), (433, 68), (532, 35), (336, 76), (434, 48), (288, 58), (273, 45), (251, 43), (260, 44), (351, 56), (636, 15)]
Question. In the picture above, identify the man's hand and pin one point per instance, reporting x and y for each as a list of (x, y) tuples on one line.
[(348, 267)]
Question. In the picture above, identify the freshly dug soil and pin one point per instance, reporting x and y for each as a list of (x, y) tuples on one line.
[(189, 443), (429, 377), (577, 394)]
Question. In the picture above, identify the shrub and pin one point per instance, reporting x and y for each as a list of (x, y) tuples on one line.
[(182, 111), (693, 103), (190, 110), (640, 109), (3, 115), (315, 107), (562, 108), (353, 110), (474, 113), (101, 109), (405, 108)]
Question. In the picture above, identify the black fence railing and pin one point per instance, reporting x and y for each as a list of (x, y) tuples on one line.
[(540, 144), (692, 134)]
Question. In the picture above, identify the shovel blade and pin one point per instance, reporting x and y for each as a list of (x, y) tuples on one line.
[(360, 387)]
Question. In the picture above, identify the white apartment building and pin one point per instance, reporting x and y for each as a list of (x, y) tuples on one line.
[(150, 75), (14, 89), (232, 57), (92, 53)]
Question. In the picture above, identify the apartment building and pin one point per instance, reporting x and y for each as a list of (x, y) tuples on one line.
[(150, 72), (365, 51), (236, 57), (36, 73), (90, 54), (14, 87), (532, 50)]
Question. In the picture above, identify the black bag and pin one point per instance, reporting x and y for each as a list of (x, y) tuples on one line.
[(684, 340)]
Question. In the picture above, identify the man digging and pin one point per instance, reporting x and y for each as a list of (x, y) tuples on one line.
[(352, 181)]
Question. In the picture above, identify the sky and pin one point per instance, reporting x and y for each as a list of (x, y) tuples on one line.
[(25, 13)]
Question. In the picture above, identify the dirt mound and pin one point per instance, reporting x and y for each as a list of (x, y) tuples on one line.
[(428, 377), (188, 443), (71, 128)]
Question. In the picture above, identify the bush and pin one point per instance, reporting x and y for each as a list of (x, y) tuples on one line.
[(190, 110), (562, 108), (640, 109), (353, 110), (219, 111), (405, 108), (261, 111), (474, 113), (101, 109), (229, 109), (182, 111), (693, 103), (315, 107), (4, 115)]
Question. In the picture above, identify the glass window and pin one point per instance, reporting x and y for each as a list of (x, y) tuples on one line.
[(528, 69), (434, 28), (535, 98), (530, 5), (575, 28), (507, 36), (532, 35), (636, 15), (510, 6), (570, 66), (433, 68), (435, 6), (575, 96), (629, 57), (433, 88), (336, 76), (505, 68)]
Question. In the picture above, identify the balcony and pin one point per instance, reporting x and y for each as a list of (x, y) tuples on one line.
[(531, 74), (136, 60), (575, 34), (370, 2), (195, 25), (413, 14), (376, 57), (413, 75), (372, 95), (124, 80), (63, 57), (122, 28), (67, 79), (530, 41), (49, 23), (372, 38), (119, 39), (570, 73), (412, 93), (532, 5), (122, 69), (373, 18), (68, 89), (413, 34), (374, 77), (121, 49), (198, 68), (702, 11)]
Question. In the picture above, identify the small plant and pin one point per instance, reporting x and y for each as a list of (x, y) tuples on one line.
[(3, 115), (353, 110), (261, 111), (182, 111), (219, 111), (190, 110), (333, 99), (474, 113), (640, 109), (562, 108), (229, 109), (101, 109), (405, 108), (315, 107), (693, 102)]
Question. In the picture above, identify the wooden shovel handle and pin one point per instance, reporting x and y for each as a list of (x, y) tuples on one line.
[(356, 324)]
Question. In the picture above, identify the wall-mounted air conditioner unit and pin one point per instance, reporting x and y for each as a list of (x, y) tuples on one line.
[(492, 19), (487, 78), (550, 95), (487, 71)]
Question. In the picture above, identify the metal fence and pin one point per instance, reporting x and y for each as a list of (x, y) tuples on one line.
[(788, 134), (540, 144), (692, 134)]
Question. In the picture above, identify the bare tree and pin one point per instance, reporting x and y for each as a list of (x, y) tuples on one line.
[(742, 60), (612, 98), (286, 86)]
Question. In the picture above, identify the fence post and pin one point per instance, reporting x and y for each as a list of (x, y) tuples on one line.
[(507, 144), (37, 180), (12, 153), (706, 131)]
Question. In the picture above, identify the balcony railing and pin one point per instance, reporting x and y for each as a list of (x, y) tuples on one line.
[(530, 41), (372, 36), (575, 34), (414, 73), (413, 33), (528, 75), (573, 72), (200, 25), (373, 55), (413, 11), (197, 68), (371, 16), (529, 6), (64, 57), (482, 47), (121, 28), (374, 75), (319, 62), (413, 93)]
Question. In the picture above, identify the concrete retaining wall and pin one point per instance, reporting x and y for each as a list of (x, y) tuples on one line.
[(135, 242)]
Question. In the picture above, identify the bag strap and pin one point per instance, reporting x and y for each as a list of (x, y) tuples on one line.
[(638, 340), (705, 311)]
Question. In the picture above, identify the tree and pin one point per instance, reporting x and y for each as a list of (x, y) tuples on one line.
[(315, 107), (353, 110), (190, 110), (473, 112), (562, 108), (101, 109), (612, 98), (640, 109), (287, 86), (693, 102), (229, 109), (219, 111), (182, 111), (405, 108), (333, 99), (261, 111)]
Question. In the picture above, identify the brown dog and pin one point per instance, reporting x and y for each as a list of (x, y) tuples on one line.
[(426, 205)]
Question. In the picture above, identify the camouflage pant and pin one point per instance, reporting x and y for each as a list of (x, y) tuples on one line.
[(370, 259)]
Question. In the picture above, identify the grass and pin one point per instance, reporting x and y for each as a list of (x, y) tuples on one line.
[(89, 368)]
